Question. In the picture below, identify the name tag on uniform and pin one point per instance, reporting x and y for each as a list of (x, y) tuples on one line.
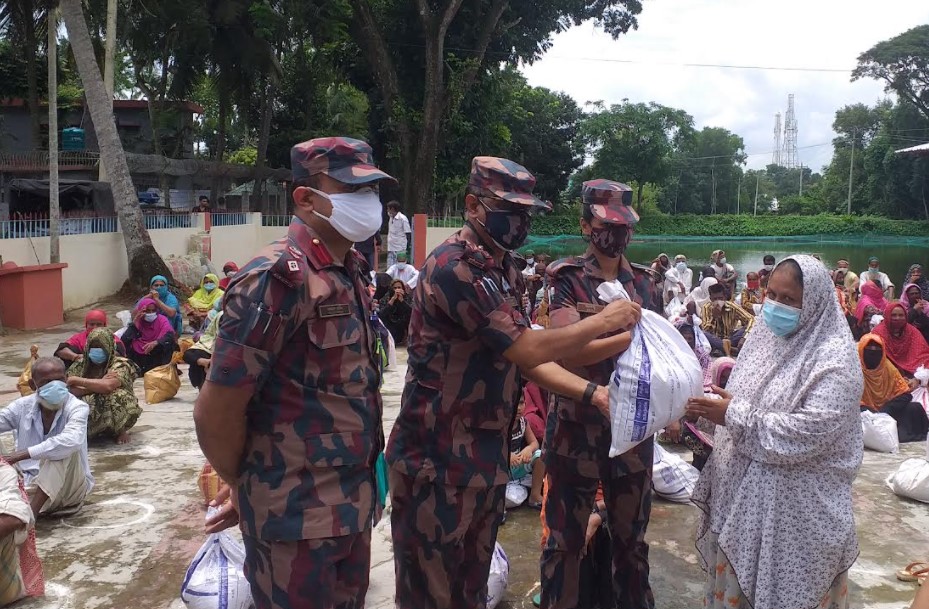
[(588, 308), (334, 310)]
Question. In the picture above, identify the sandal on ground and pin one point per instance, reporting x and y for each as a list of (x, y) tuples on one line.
[(913, 572)]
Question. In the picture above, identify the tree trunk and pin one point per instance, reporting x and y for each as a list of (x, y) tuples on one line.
[(259, 192), (54, 208), (638, 198), (32, 78), (220, 146), (144, 261), (163, 184), (109, 62)]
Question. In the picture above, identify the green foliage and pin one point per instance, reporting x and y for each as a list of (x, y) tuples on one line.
[(726, 225), (902, 62), (243, 156), (634, 142)]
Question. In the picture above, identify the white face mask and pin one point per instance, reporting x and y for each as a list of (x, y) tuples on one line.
[(681, 267), (722, 261), (355, 215), (150, 317)]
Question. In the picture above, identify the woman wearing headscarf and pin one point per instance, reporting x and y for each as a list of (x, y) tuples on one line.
[(916, 309), (104, 380), (73, 349), (904, 344), (885, 390), (752, 294), (915, 276), (697, 434), (229, 271), (701, 294), (396, 310), (871, 302), (150, 339), (199, 354), (776, 528), (203, 299), (166, 302)]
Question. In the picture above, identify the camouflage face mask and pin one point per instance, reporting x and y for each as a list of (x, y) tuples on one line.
[(611, 240), (508, 229)]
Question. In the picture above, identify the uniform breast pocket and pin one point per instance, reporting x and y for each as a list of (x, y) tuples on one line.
[(332, 332)]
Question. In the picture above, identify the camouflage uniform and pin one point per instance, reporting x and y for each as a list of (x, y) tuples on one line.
[(449, 449), (577, 437), (296, 331)]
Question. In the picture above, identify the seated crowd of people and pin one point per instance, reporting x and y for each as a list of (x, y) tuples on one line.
[(85, 392)]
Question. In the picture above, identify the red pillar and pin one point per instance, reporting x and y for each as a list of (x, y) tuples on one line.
[(420, 228)]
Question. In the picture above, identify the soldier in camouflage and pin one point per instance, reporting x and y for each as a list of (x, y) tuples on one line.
[(468, 341), (577, 439), (290, 416)]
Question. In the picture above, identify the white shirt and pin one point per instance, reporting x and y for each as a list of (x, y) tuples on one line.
[(13, 504), (397, 228), (67, 435), (880, 278), (723, 271), (674, 277), (405, 273)]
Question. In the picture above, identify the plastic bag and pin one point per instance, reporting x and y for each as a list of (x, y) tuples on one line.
[(499, 577), (23, 383), (214, 579), (880, 432), (921, 393), (184, 344), (653, 378), (161, 383), (673, 478), (911, 480), (125, 317)]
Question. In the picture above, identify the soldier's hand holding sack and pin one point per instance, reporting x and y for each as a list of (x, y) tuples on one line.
[(653, 378)]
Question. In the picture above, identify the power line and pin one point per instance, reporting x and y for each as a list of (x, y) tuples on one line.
[(727, 66)]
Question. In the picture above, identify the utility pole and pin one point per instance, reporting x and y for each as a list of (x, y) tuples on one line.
[(54, 210), (757, 183), (851, 172), (109, 63), (738, 201), (713, 173), (801, 180)]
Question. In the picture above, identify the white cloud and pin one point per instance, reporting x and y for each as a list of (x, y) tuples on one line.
[(788, 33)]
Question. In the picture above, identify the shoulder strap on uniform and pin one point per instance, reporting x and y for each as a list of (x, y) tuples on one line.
[(565, 263), (652, 273)]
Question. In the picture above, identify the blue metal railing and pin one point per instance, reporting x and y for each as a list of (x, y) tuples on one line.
[(228, 219), (20, 229), (156, 221), (279, 220)]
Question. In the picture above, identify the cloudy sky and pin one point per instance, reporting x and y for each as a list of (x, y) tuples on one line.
[(824, 34)]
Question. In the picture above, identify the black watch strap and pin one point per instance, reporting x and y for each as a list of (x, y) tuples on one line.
[(589, 394)]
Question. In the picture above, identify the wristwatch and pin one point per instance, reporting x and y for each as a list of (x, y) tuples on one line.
[(589, 394)]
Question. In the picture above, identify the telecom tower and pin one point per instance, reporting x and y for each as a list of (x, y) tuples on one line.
[(790, 136), (776, 157)]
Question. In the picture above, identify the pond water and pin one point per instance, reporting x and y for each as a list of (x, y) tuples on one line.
[(896, 255)]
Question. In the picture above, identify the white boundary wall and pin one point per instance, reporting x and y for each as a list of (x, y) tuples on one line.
[(98, 266)]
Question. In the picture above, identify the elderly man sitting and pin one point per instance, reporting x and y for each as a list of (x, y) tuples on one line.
[(404, 271), (20, 567), (724, 322), (51, 441)]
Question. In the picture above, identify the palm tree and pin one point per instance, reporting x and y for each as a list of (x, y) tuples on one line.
[(144, 261)]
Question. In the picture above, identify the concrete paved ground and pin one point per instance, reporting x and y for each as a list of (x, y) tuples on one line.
[(143, 523)]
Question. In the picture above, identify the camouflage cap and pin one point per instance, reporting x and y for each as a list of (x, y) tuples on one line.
[(341, 158), (504, 179), (610, 201)]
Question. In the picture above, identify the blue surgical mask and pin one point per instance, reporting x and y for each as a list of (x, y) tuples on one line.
[(53, 394), (209, 287), (150, 317), (780, 318), (681, 267), (97, 355)]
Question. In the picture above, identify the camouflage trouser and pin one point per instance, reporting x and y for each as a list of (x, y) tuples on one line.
[(329, 573), (566, 510), (443, 542)]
